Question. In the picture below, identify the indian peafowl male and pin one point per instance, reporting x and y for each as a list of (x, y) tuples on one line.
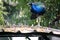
[(37, 9)]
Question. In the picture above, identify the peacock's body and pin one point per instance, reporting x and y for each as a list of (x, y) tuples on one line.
[(37, 9)]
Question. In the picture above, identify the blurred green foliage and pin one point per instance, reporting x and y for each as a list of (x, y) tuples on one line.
[(2, 13), (21, 12)]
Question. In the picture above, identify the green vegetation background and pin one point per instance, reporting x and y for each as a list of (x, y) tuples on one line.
[(21, 13)]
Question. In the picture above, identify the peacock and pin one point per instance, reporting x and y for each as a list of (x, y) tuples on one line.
[(37, 9)]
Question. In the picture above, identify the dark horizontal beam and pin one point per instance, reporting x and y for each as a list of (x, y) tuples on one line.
[(33, 34)]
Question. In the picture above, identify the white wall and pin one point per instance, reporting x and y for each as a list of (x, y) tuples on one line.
[(23, 38)]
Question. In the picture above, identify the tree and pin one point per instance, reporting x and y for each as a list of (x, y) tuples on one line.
[(2, 13)]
